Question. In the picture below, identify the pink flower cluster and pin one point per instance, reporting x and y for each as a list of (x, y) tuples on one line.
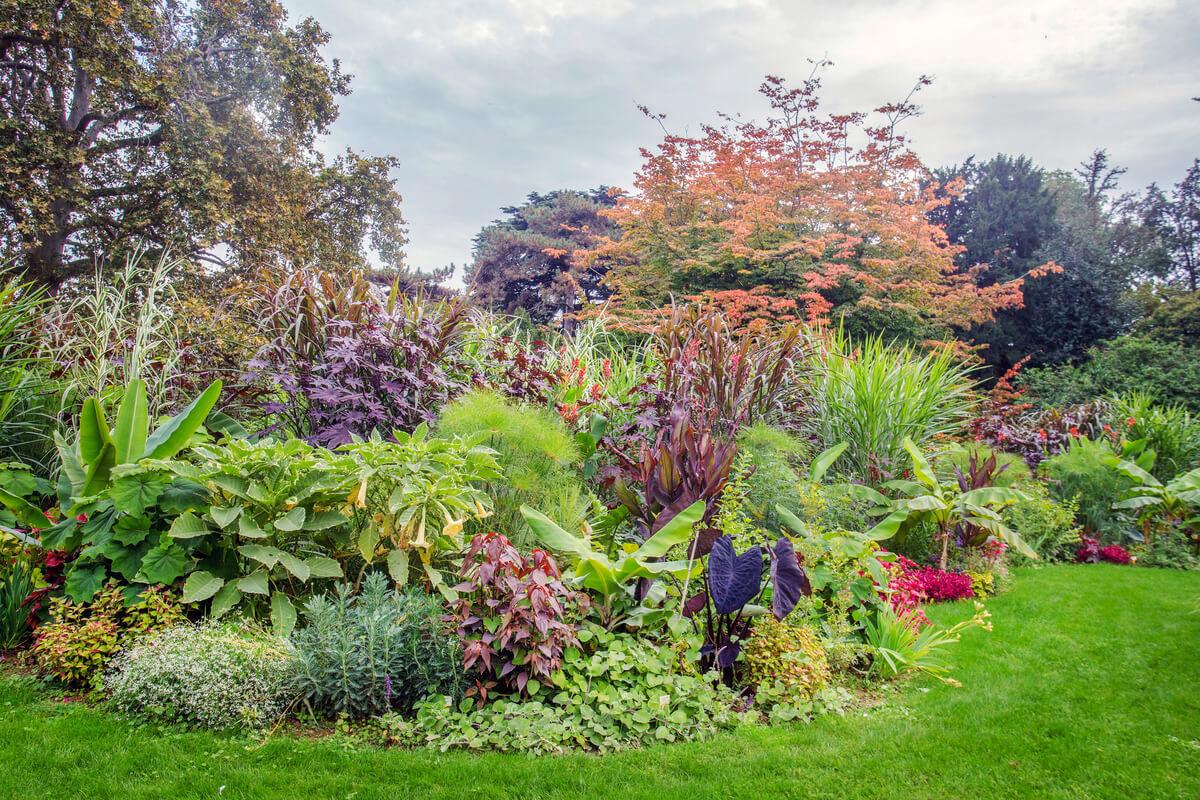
[(1114, 554), (912, 585)]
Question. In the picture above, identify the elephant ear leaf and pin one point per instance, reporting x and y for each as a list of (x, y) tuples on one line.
[(129, 435), (733, 580), (788, 579), (174, 434)]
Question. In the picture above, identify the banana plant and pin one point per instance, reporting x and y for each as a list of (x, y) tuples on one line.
[(943, 503), (1177, 501), (612, 580), (116, 494)]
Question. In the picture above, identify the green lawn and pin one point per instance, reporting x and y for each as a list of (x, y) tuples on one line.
[(1087, 688)]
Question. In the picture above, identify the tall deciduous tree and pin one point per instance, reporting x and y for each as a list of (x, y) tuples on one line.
[(827, 210), (178, 123), (526, 261), (1176, 219)]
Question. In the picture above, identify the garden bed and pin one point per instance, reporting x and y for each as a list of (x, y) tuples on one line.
[(1084, 689)]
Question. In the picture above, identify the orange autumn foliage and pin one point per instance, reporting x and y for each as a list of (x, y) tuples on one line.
[(803, 215)]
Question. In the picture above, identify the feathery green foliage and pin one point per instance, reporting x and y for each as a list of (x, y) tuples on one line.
[(536, 453)]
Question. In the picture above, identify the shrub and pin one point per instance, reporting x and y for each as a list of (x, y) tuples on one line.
[(80, 638), (627, 693), (1166, 552), (1169, 430), (1045, 523), (1085, 473), (1114, 554), (1169, 371), (536, 453), (214, 676), (788, 658), (1090, 552), (903, 647), (347, 362), (777, 455), (872, 396), (362, 655), (511, 616)]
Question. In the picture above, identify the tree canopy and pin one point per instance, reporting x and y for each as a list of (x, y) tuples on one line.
[(189, 126), (827, 210), (526, 261)]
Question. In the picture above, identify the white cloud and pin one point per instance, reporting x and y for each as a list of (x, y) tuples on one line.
[(486, 100)]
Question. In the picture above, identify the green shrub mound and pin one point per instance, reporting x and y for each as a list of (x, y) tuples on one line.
[(377, 651), (214, 676)]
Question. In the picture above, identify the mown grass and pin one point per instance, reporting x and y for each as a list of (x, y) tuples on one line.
[(1085, 689)]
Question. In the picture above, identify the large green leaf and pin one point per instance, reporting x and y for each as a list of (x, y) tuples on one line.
[(99, 471), (263, 554), (134, 493), (794, 523), (298, 568), (888, 526), (921, 467), (992, 495), (397, 564), (225, 600), (554, 537), (283, 614), (254, 583), (174, 434), (93, 430), (1140, 501), (164, 564), (292, 520), (27, 513), (322, 520), (1137, 473), (188, 526), (225, 515), (129, 434), (83, 582), (201, 585), (821, 464), (323, 567), (677, 531)]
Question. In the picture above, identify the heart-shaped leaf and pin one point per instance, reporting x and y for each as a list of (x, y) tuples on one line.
[(788, 580), (201, 585), (733, 580), (254, 583), (225, 600), (292, 520), (224, 515), (323, 567), (164, 564)]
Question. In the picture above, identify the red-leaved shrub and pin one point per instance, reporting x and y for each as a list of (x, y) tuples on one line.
[(511, 615)]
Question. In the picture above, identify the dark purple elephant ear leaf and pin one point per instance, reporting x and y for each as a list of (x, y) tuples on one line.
[(733, 580), (727, 654), (788, 579), (693, 604)]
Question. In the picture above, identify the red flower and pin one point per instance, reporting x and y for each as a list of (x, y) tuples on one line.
[(1131, 422), (606, 369), (1042, 434), (1074, 431)]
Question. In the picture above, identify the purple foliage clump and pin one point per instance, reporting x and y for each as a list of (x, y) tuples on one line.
[(346, 360)]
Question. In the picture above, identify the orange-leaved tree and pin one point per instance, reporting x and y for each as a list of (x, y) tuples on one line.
[(828, 211)]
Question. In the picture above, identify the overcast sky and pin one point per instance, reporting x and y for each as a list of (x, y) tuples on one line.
[(484, 101)]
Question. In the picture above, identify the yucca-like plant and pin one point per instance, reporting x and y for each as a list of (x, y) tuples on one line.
[(872, 396), (901, 645), (380, 650)]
